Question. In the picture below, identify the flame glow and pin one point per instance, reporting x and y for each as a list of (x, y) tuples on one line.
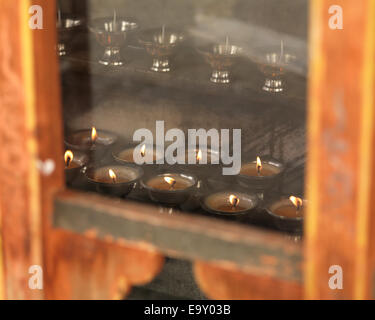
[(143, 150), (298, 202), (234, 201), (112, 175), (94, 135), (199, 155), (259, 165), (68, 157), (170, 181)]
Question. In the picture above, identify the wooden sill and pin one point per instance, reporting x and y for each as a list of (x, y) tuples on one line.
[(181, 235)]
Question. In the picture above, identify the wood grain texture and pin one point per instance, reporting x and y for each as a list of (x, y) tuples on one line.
[(224, 282), (341, 157), (181, 235), (20, 185), (85, 268)]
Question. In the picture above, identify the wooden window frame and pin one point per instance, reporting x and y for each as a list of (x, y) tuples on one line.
[(83, 241)]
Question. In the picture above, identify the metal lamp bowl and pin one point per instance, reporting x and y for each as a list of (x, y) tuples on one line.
[(221, 58), (273, 65), (170, 197), (259, 183), (286, 224), (112, 36), (133, 173), (161, 47), (211, 201), (81, 159)]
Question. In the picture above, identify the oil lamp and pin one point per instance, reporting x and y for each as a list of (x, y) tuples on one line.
[(273, 67), (221, 58), (66, 26), (288, 214), (90, 140), (230, 203), (74, 163), (116, 180), (161, 44), (112, 33), (170, 189), (261, 175)]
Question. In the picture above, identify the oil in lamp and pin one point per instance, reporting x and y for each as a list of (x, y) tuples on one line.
[(221, 58), (112, 34), (161, 44), (261, 175), (230, 203), (87, 140), (170, 189), (116, 180), (288, 214), (74, 164)]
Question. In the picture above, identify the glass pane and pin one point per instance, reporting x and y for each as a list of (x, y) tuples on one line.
[(171, 83)]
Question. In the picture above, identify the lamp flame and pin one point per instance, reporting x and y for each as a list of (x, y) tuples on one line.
[(68, 157), (94, 135), (234, 201), (199, 155), (112, 175), (259, 165), (298, 202), (170, 181), (143, 150)]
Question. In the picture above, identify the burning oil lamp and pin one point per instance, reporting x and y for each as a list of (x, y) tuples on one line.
[(230, 203), (161, 44), (112, 33), (288, 213), (66, 25), (221, 58), (170, 188), (90, 139), (260, 175), (74, 163), (116, 180)]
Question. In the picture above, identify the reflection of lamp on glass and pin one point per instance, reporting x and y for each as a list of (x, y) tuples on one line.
[(66, 25), (274, 67), (161, 45), (112, 33), (221, 57)]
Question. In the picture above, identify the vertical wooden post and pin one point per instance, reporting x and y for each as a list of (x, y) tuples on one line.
[(30, 137), (341, 149)]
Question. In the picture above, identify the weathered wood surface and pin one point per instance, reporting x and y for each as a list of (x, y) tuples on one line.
[(85, 268), (340, 220), (230, 283), (180, 235), (20, 205)]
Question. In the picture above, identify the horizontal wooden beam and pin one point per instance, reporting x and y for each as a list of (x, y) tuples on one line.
[(180, 235)]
